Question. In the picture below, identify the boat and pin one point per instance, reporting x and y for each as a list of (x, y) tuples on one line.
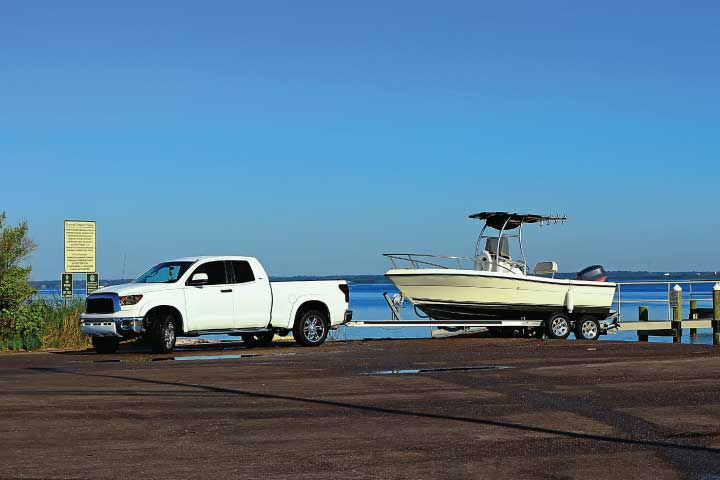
[(492, 285)]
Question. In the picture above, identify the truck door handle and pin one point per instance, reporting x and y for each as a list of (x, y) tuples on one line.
[(226, 291)]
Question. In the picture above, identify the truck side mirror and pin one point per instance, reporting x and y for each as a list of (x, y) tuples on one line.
[(199, 279)]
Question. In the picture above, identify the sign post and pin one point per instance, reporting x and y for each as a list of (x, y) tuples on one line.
[(91, 283), (66, 286), (79, 246)]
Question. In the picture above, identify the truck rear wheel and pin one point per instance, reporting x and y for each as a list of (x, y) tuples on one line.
[(105, 344), (164, 333), (258, 339), (311, 328)]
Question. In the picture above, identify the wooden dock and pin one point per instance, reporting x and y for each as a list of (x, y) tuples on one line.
[(697, 318)]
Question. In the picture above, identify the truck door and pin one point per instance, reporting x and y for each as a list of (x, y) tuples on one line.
[(210, 306), (252, 296)]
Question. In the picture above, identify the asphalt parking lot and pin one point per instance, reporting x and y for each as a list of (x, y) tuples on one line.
[(432, 408)]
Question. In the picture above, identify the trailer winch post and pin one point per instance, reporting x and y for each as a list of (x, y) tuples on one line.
[(716, 314)]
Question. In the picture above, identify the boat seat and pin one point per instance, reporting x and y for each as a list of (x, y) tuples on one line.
[(546, 268), (491, 245)]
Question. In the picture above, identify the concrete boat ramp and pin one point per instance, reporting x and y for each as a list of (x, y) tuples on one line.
[(432, 408)]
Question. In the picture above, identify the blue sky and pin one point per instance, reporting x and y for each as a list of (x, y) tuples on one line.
[(318, 135)]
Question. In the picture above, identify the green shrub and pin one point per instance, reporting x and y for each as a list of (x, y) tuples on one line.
[(15, 247), (27, 323), (24, 327), (22, 323)]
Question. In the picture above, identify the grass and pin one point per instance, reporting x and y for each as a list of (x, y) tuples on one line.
[(62, 324)]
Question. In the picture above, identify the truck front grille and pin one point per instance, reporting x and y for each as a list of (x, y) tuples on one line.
[(99, 305)]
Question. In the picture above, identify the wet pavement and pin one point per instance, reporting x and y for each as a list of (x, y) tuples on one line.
[(431, 408)]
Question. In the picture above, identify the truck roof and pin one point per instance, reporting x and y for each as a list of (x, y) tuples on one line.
[(211, 257)]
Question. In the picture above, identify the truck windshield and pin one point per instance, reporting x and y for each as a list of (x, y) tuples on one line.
[(167, 272)]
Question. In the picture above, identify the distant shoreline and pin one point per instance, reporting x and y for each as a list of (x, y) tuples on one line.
[(377, 279)]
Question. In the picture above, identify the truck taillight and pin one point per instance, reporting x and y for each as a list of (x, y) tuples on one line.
[(346, 290)]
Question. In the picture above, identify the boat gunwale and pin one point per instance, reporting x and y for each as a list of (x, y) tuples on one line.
[(413, 272)]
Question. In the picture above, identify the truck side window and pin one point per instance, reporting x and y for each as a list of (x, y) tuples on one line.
[(243, 271), (215, 272)]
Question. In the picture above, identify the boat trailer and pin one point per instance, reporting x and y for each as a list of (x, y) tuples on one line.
[(608, 325)]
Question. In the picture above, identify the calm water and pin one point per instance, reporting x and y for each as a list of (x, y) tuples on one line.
[(367, 303)]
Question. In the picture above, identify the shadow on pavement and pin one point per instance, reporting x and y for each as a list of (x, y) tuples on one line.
[(398, 412)]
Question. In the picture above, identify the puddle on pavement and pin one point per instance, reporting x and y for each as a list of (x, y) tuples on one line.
[(192, 358), (415, 371)]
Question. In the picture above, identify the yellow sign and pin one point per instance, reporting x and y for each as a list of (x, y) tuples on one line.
[(79, 246)]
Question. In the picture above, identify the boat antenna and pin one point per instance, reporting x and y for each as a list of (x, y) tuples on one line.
[(553, 219), (122, 277)]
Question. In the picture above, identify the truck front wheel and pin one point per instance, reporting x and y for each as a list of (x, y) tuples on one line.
[(105, 344), (311, 328), (164, 333)]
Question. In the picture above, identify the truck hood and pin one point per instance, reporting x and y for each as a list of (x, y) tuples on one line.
[(138, 288)]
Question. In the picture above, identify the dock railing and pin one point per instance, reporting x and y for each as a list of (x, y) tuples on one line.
[(672, 296)]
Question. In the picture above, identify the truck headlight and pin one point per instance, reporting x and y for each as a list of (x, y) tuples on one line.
[(130, 299)]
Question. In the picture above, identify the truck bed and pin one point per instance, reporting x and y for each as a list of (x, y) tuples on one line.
[(289, 295)]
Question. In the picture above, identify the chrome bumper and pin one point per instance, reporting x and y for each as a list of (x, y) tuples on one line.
[(110, 327)]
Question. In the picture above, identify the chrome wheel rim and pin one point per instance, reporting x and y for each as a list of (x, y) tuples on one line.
[(169, 334), (313, 328), (559, 326), (589, 329)]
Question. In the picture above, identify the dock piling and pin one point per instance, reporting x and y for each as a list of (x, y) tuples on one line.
[(676, 302), (693, 315), (642, 317), (716, 314)]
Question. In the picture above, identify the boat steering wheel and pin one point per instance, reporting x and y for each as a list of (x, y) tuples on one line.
[(486, 261)]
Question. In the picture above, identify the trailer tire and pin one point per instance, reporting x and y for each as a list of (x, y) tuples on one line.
[(587, 328), (258, 339), (558, 326), (104, 345), (311, 328), (163, 333)]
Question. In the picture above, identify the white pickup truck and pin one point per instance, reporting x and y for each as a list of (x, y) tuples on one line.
[(213, 295)]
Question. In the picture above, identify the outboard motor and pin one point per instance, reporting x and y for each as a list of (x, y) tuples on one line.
[(594, 273)]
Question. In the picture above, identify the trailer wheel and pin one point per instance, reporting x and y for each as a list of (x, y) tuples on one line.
[(311, 329), (163, 333), (105, 344), (587, 328), (258, 339), (558, 326)]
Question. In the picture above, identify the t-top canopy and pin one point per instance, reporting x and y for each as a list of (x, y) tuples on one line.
[(512, 220)]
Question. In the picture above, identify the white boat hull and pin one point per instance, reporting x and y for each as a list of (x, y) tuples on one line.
[(446, 294)]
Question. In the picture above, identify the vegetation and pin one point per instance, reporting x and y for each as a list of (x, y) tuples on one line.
[(26, 322), (15, 247), (62, 324)]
